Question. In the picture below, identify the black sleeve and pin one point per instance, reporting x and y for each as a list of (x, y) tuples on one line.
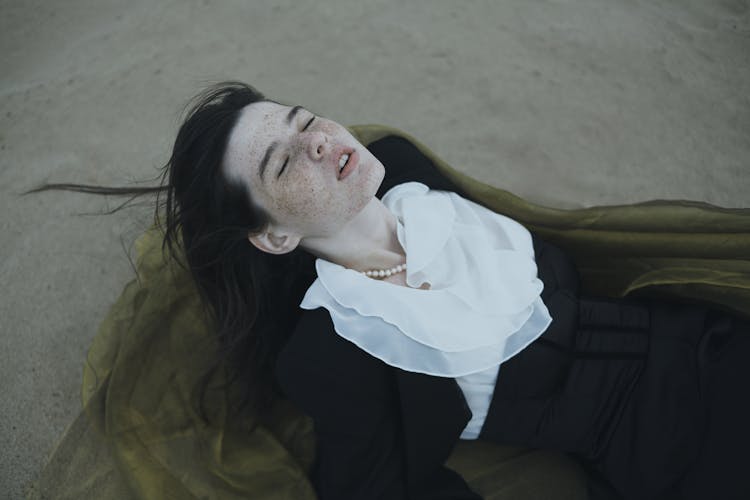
[(352, 399)]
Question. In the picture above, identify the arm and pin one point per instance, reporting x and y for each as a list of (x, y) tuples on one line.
[(352, 399)]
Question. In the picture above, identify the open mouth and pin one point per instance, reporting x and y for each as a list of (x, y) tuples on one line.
[(348, 162), (343, 161)]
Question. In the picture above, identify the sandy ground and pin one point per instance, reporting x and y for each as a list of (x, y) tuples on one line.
[(569, 103)]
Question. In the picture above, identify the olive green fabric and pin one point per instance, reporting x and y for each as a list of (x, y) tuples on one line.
[(142, 437)]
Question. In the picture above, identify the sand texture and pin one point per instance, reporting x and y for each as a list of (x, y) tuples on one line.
[(569, 103)]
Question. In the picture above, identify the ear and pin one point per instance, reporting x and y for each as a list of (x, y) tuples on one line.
[(274, 241)]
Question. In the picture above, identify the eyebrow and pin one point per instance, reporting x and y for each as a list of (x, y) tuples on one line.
[(267, 156), (292, 113)]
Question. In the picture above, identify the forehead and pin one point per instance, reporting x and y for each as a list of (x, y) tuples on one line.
[(257, 127)]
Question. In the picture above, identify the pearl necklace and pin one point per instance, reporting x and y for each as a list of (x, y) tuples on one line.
[(383, 273)]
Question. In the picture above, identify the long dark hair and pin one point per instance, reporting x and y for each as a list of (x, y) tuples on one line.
[(252, 296)]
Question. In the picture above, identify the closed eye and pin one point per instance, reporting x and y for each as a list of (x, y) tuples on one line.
[(309, 122), (286, 160)]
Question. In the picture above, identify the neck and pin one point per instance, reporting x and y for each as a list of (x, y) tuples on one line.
[(368, 241)]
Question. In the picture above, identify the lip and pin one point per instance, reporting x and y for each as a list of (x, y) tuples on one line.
[(350, 165)]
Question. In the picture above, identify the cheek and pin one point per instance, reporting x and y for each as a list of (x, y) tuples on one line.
[(302, 198)]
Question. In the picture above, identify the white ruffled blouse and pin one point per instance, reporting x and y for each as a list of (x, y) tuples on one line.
[(482, 307)]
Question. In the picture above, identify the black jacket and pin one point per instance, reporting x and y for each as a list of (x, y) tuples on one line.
[(617, 383), (384, 432)]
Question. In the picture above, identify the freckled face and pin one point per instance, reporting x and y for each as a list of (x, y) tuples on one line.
[(291, 162)]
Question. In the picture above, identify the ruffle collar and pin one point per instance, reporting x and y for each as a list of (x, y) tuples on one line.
[(483, 303)]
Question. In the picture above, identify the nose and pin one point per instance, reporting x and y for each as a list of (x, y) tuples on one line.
[(316, 144)]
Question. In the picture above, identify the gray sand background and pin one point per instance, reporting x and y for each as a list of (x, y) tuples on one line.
[(568, 103)]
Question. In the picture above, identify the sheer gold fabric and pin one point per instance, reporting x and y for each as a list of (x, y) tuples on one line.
[(140, 435)]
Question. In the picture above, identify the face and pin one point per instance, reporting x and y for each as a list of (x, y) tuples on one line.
[(291, 162)]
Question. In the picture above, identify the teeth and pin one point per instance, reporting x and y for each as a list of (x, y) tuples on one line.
[(342, 161)]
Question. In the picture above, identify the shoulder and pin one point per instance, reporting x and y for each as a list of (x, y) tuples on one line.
[(404, 162), (315, 339), (315, 356), (555, 268)]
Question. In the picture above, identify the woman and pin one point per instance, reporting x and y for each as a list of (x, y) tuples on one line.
[(432, 319)]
